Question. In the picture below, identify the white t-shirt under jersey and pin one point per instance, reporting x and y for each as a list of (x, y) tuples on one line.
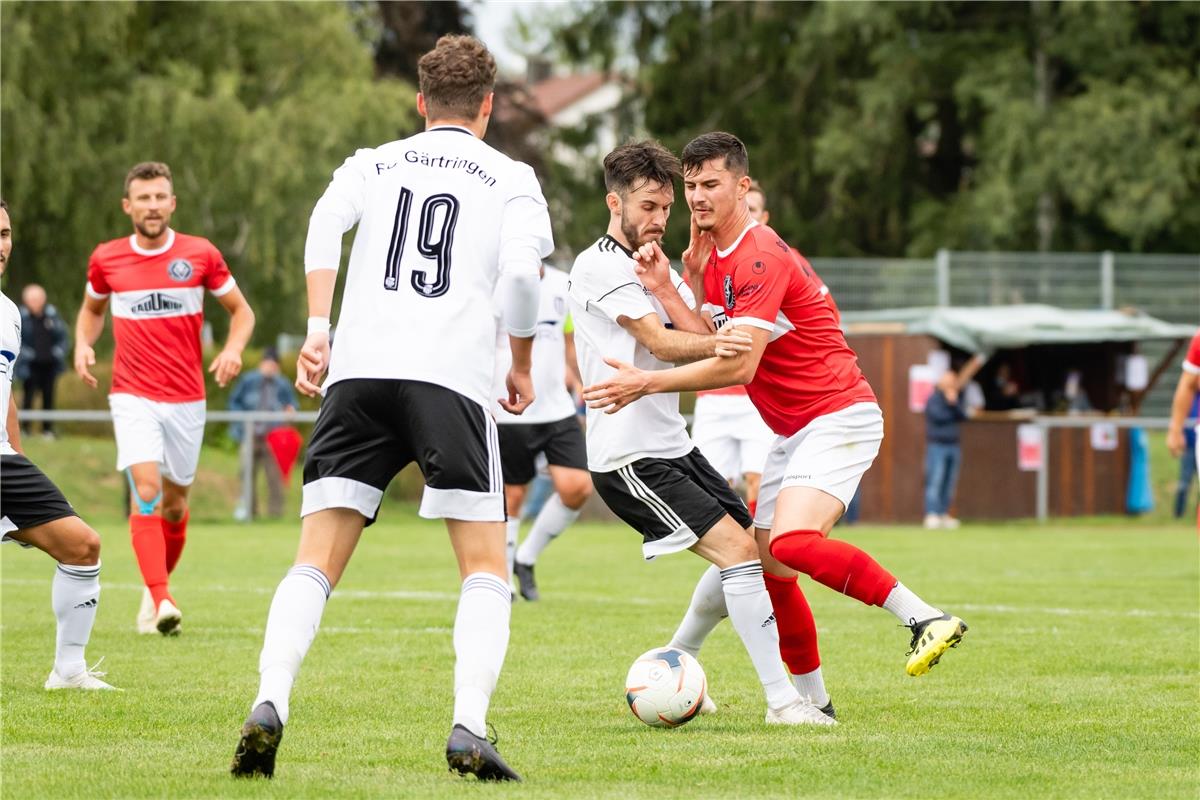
[(604, 286), (10, 348), (439, 215), (551, 400)]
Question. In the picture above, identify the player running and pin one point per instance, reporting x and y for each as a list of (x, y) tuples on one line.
[(442, 217), (155, 280), (643, 464), (34, 513), (806, 383), (548, 428)]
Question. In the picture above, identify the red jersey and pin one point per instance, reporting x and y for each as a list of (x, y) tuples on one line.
[(1191, 362), (807, 370), (158, 309)]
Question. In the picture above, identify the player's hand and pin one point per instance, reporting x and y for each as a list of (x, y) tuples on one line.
[(226, 366), (653, 267), (699, 250), (624, 386), (1175, 441), (312, 363), (85, 357), (520, 392), (730, 341)]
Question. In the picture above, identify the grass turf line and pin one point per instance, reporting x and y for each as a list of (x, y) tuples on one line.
[(1096, 697)]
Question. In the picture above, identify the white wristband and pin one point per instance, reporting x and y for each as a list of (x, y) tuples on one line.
[(318, 325)]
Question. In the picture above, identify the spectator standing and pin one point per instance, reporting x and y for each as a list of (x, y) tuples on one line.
[(43, 351), (263, 389), (944, 412)]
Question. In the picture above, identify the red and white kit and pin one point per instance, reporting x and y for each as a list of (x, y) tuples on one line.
[(808, 387), (157, 300)]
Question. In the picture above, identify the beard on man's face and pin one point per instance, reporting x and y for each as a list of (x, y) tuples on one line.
[(638, 238)]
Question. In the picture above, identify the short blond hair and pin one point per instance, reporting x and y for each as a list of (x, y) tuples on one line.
[(455, 76), (146, 171)]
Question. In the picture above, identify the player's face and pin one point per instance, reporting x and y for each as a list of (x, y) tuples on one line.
[(644, 213), (5, 239), (713, 193), (758, 207), (150, 204)]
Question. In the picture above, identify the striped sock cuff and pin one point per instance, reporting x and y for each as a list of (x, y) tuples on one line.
[(309, 571), (747, 569), (80, 573), (744, 578), (486, 581)]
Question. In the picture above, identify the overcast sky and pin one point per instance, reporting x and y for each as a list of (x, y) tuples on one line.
[(493, 24)]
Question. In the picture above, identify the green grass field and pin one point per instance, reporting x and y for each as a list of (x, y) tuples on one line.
[(1079, 677)]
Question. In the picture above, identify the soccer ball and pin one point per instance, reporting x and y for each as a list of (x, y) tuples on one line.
[(665, 687)]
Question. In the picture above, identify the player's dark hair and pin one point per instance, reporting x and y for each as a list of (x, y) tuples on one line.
[(707, 146), (3, 204), (455, 76), (634, 164), (146, 171)]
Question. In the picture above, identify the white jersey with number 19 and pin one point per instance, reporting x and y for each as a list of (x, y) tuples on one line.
[(440, 215)]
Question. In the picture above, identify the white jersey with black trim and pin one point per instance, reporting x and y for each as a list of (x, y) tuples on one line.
[(605, 287), (440, 215), (551, 400), (10, 348)]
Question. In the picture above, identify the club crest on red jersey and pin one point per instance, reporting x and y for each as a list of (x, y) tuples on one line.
[(180, 269), (730, 299)]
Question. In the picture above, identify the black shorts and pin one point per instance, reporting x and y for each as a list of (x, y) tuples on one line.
[(370, 429), (561, 441), (672, 502), (27, 497)]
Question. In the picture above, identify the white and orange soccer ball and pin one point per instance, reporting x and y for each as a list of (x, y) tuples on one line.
[(665, 687)]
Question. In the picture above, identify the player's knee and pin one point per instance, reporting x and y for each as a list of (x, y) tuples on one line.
[(82, 547), (174, 509), (576, 491), (148, 491)]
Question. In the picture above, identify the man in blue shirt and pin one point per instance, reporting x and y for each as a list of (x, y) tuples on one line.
[(263, 389), (944, 413)]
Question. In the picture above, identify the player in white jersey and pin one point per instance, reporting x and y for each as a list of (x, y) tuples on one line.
[(442, 219), (34, 513), (643, 465), (547, 428)]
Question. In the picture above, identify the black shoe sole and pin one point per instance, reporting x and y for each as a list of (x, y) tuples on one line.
[(255, 753)]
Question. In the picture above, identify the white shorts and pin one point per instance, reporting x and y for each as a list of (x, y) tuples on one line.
[(731, 434), (167, 434), (831, 453)]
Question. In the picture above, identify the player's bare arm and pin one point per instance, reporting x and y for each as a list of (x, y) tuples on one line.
[(89, 324), (520, 377), (1185, 390), (313, 361), (630, 383), (574, 378), (682, 346), (654, 271), (228, 362)]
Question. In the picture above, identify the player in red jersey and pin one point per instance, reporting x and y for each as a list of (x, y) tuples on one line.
[(1185, 395), (805, 381), (155, 280)]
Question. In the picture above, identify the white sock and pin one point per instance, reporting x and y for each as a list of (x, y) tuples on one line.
[(907, 606), (706, 611), (511, 531), (753, 617), (552, 520), (291, 626), (480, 642), (74, 594), (811, 687)]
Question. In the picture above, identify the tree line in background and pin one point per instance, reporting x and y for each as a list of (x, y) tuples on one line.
[(876, 128)]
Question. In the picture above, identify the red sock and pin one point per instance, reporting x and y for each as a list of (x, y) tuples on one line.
[(797, 631), (753, 506), (175, 535), (839, 565), (146, 531)]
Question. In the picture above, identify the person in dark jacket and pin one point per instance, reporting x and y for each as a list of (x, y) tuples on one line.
[(263, 389), (944, 413), (43, 351)]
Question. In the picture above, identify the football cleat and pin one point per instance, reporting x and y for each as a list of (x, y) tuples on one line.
[(468, 753), (146, 617), (708, 705), (801, 712), (261, 733), (524, 573), (931, 638), (168, 618), (828, 711), (87, 679)]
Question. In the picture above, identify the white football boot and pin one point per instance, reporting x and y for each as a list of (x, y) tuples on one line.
[(168, 618), (801, 712), (87, 679), (146, 617)]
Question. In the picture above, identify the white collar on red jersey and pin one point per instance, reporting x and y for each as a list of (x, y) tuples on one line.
[(141, 251), (737, 241)]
